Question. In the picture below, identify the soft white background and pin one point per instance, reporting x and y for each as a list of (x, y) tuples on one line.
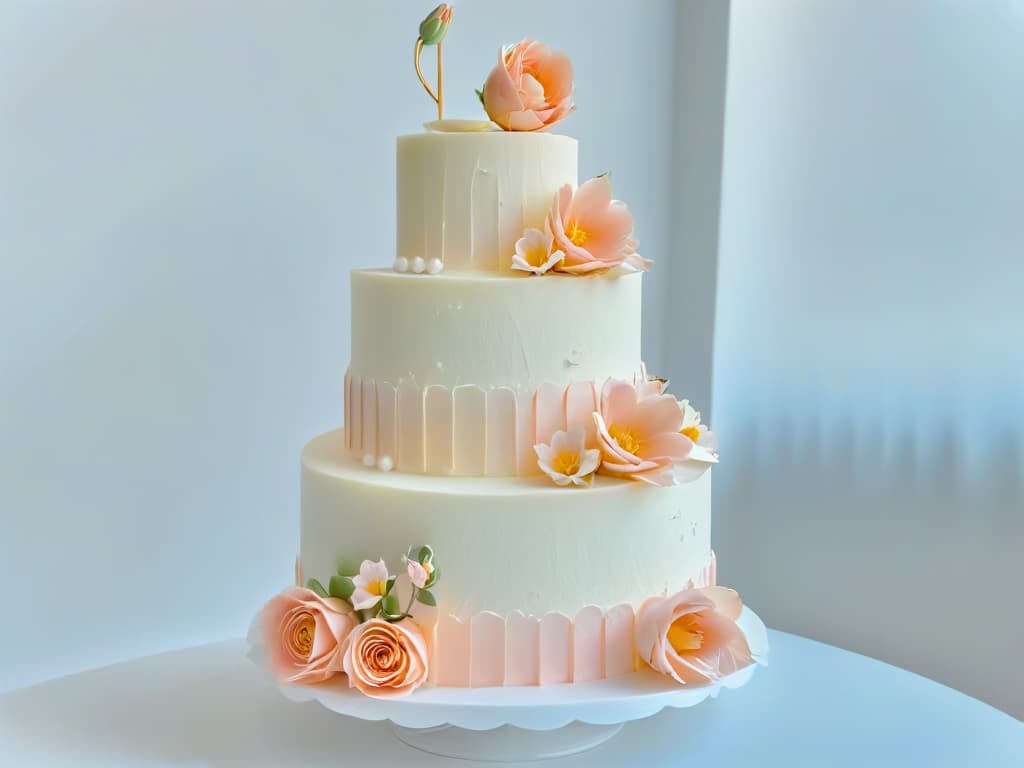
[(869, 350), (184, 187)]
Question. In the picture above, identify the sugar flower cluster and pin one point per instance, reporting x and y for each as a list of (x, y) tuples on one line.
[(586, 232), (356, 627), (638, 432)]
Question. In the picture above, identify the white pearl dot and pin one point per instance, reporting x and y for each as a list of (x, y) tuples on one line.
[(401, 264), (418, 265), (434, 266), (384, 464), (369, 459)]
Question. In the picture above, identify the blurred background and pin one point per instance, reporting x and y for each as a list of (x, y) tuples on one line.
[(832, 191)]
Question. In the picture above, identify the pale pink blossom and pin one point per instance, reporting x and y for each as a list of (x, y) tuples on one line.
[(594, 231), (530, 89), (384, 659), (302, 635), (567, 460), (534, 253), (639, 436), (419, 573), (371, 583), (692, 636)]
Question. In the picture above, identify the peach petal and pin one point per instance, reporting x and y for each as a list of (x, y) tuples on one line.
[(524, 120), (593, 197), (669, 445), (726, 601), (651, 415)]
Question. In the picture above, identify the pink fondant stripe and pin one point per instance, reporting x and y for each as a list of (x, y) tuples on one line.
[(491, 650), (465, 430)]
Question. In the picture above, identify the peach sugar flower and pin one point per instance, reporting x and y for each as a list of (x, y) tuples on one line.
[(530, 89), (640, 435), (385, 659), (371, 583), (594, 231), (303, 635), (567, 460), (692, 636)]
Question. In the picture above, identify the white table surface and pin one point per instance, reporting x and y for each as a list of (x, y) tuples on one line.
[(812, 705)]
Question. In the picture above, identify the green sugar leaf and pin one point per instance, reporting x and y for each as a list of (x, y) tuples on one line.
[(391, 606), (342, 586), (425, 597), (316, 586), (347, 566)]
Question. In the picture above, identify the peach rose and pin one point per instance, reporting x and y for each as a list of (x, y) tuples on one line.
[(530, 89), (384, 659), (303, 635), (692, 636)]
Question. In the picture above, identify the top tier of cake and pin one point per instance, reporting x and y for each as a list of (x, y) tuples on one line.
[(465, 198)]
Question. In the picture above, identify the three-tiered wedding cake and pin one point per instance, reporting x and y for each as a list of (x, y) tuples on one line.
[(497, 409)]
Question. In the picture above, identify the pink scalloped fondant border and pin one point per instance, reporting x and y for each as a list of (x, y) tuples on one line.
[(464, 430), (490, 650)]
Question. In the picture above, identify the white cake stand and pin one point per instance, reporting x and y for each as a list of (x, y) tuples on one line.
[(529, 722)]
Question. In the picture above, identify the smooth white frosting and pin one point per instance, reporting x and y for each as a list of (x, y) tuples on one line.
[(506, 544), (465, 198), (490, 330)]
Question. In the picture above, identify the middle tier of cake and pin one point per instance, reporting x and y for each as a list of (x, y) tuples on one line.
[(508, 545), (463, 373)]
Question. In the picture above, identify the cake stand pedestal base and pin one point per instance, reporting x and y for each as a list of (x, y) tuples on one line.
[(507, 744)]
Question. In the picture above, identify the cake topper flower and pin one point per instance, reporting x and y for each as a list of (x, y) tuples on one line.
[(433, 31), (530, 89)]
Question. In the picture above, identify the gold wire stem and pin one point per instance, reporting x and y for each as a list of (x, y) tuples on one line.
[(419, 72), (440, 85)]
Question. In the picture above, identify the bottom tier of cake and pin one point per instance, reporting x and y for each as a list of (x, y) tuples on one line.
[(507, 545)]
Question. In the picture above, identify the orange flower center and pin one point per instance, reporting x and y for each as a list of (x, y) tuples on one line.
[(685, 634), (377, 587), (691, 432), (566, 463), (625, 437), (576, 235), (302, 640), (536, 257)]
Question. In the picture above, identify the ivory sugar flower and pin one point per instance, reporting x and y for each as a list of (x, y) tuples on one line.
[(594, 231), (371, 584), (303, 635), (640, 436), (692, 636), (530, 89), (385, 659), (534, 252), (705, 444), (567, 459)]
